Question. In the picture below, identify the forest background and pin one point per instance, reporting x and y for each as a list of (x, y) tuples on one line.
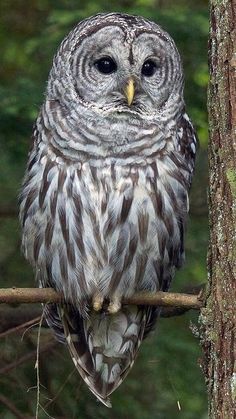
[(166, 381)]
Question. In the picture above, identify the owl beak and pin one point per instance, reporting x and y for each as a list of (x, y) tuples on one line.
[(129, 91)]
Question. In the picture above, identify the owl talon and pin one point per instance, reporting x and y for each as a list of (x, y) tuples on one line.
[(114, 306), (97, 302)]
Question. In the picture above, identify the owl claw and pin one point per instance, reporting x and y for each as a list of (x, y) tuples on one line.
[(97, 302), (114, 306)]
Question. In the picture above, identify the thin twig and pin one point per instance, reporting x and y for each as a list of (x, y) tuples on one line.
[(38, 404), (60, 389), (30, 355), (14, 315), (37, 369), (46, 295), (20, 327), (29, 328)]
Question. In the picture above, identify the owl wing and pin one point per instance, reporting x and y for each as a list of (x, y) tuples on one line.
[(187, 141), (187, 144)]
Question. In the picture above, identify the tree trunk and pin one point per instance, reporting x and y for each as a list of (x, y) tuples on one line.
[(218, 318)]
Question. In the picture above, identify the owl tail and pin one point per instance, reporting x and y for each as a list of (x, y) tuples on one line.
[(103, 347)]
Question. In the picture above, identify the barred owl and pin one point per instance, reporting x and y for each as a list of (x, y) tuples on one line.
[(105, 196)]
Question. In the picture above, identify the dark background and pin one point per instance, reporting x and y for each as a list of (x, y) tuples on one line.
[(166, 381)]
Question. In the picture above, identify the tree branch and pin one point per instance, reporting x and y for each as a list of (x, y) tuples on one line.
[(13, 319), (49, 295), (12, 316), (16, 329), (28, 356), (11, 407)]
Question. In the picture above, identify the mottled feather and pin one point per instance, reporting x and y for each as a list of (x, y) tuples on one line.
[(104, 201)]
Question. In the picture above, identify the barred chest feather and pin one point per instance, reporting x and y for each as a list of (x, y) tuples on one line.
[(111, 227)]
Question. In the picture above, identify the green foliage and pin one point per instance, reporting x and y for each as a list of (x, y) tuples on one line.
[(166, 371)]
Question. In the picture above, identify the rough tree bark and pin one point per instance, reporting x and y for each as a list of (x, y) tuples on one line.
[(218, 318)]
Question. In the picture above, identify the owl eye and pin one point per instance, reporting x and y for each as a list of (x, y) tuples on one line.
[(106, 65), (148, 68)]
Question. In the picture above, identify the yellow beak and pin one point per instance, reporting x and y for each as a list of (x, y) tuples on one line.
[(129, 91)]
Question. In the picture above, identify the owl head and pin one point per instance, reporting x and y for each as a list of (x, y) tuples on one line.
[(117, 63)]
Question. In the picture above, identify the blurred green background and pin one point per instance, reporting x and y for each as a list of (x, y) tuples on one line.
[(166, 381)]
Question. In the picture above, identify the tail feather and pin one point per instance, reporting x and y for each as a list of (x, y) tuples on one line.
[(103, 346)]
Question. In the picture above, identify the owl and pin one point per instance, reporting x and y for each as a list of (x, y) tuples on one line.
[(104, 200)]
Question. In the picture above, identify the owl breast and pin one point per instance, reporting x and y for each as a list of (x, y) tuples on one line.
[(111, 228)]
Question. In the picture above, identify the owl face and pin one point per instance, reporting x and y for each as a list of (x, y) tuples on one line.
[(123, 64)]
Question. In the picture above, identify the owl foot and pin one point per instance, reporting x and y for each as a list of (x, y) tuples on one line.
[(110, 307), (97, 302), (114, 305)]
